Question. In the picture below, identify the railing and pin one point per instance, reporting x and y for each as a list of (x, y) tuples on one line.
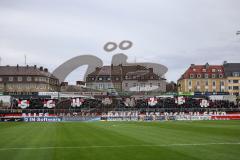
[(105, 109)]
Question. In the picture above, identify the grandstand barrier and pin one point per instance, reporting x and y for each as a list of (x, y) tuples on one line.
[(120, 116), (11, 119), (42, 119), (157, 116)]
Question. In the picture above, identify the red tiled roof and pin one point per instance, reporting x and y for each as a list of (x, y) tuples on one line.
[(203, 69)]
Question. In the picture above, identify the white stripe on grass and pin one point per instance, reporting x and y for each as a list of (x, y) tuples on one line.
[(119, 146)]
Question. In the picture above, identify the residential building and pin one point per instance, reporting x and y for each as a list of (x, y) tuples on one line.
[(232, 73), (171, 87), (129, 78), (205, 79), (15, 80)]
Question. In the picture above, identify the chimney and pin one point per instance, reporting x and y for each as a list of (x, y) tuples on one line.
[(80, 83), (45, 70), (192, 65), (41, 68), (97, 69), (17, 66), (225, 62), (35, 66), (150, 70), (64, 84), (27, 66)]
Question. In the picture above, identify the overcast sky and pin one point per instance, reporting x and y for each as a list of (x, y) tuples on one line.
[(174, 33)]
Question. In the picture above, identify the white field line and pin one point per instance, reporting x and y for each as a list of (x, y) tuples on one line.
[(118, 146)]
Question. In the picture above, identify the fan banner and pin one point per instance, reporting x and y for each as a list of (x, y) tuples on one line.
[(180, 100), (77, 102), (204, 103), (49, 103), (23, 103), (152, 101), (129, 102), (107, 101)]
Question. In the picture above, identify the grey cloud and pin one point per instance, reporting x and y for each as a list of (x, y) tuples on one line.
[(171, 32)]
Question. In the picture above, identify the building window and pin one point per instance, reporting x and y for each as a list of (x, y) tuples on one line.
[(206, 75), (109, 78), (230, 87), (19, 79), (18, 86), (142, 84), (235, 81), (126, 84), (236, 74), (150, 84), (93, 78), (159, 84), (33, 85), (1, 79), (222, 83), (10, 79), (10, 86), (206, 83), (214, 83), (213, 70), (43, 79), (100, 86), (190, 83), (213, 76), (199, 76), (198, 83), (100, 78), (220, 76), (29, 78), (191, 76), (42, 86), (36, 79), (203, 70), (117, 78), (235, 87)]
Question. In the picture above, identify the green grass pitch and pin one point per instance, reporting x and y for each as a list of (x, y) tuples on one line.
[(173, 140)]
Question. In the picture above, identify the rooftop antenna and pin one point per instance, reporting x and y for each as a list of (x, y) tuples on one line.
[(25, 59)]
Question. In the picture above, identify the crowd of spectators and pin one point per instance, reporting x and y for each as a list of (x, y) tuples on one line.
[(127, 102)]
